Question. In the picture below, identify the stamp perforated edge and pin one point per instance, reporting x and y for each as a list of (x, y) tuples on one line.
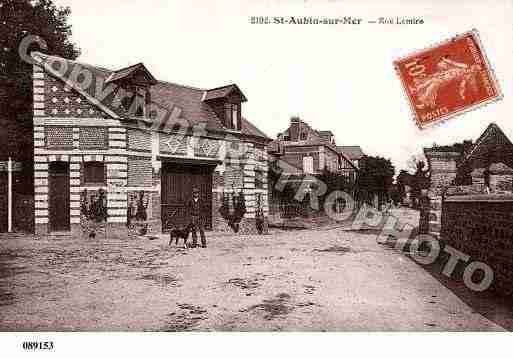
[(440, 120)]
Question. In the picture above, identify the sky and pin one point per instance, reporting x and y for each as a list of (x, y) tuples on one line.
[(339, 78)]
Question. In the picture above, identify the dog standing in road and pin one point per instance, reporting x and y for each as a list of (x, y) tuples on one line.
[(177, 233)]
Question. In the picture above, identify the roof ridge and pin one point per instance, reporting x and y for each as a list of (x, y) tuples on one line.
[(180, 85), (482, 137), (129, 66), (38, 53), (220, 87)]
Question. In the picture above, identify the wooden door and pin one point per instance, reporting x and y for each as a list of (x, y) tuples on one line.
[(177, 183), (58, 190)]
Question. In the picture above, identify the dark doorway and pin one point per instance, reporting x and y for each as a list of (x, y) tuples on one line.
[(58, 188), (177, 183)]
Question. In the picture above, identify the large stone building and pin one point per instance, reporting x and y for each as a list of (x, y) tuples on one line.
[(127, 133)]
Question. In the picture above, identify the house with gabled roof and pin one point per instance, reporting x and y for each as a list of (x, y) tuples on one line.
[(489, 162), (486, 164), (126, 133), (304, 154), (352, 153), (310, 151)]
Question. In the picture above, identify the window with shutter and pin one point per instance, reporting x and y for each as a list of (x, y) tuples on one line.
[(308, 164), (235, 116), (232, 116)]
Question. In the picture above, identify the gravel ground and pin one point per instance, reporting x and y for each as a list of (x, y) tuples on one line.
[(329, 279)]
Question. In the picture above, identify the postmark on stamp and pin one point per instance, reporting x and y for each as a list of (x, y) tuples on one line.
[(447, 79)]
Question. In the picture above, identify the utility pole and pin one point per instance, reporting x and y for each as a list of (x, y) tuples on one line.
[(9, 195)]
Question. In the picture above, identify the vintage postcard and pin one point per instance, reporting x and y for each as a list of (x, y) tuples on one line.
[(244, 166)]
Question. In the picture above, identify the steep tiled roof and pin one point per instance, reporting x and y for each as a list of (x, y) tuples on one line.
[(351, 152), (188, 100), (250, 129), (492, 146), (169, 96)]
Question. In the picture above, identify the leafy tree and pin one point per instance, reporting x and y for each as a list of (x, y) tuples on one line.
[(419, 181), (18, 19), (375, 177), (403, 179), (395, 194)]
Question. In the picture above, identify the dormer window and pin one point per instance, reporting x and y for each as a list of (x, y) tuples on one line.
[(232, 116), (135, 81), (136, 104), (226, 101), (235, 116), (141, 101), (303, 136)]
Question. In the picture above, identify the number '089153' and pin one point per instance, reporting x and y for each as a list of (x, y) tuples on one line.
[(37, 345)]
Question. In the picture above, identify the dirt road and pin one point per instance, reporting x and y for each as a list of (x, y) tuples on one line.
[(302, 280)]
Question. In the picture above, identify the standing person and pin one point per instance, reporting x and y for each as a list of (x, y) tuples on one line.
[(194, 207)]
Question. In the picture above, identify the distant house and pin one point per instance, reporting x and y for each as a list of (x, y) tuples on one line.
[(489, 162), (300, 151), (486, 164), (309, 151), (352, 153)]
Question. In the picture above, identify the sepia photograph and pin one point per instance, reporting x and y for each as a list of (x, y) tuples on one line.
[(247, 167)]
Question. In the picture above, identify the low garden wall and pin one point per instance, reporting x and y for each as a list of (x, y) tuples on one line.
[(481, 226)]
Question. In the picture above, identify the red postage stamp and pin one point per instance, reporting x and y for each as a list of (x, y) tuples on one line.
[(447, 79)]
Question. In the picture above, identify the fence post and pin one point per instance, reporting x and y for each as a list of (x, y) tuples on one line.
[(9, 195), (425, 210)]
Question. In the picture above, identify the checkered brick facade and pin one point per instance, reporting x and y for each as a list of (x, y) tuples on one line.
[(93, 138), (59, 137), (139, 140), (207, 148), (234, 177), (139, 172), (173, 144), (61, 101)]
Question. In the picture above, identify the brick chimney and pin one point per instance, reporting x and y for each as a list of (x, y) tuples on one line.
[(294, 128)]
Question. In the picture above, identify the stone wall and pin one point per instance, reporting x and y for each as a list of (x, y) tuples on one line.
[(442, 165), (481, 226), (443, 172)]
